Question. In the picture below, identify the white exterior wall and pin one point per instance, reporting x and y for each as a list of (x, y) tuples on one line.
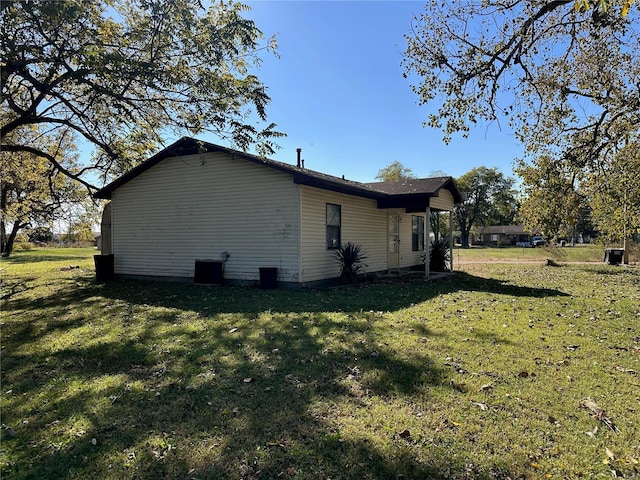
[(196, 207), (362, 223), (408, 258), (444, 200)]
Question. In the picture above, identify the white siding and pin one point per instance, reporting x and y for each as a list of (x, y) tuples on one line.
[(196, 207), (444, 200), (362, 223), (408, 258)]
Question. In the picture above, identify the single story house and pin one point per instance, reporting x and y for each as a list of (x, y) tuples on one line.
[(195, 201), (500, 235)]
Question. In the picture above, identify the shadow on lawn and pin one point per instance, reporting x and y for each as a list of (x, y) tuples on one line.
[(14, 288), (26, 259), (390, 296), (197, 416), (260, 400)]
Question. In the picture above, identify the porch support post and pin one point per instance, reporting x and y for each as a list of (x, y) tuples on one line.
[(427, 242), (451, 239)]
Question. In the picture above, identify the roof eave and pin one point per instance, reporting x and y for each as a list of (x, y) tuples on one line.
[(310, 181), (412, 202)]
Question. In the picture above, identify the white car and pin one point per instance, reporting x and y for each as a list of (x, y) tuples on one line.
[(537, 241)]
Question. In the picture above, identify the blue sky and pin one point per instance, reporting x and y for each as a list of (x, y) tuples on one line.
[(338, 92)]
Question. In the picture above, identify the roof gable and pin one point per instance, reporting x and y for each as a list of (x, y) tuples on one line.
[(392, 193)]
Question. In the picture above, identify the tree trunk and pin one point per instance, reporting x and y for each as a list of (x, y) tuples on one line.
[(7, 241), (465, 229), (464, 239), (625, 246), (3, 236)]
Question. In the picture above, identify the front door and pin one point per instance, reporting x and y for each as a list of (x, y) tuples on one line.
[(393, 256)]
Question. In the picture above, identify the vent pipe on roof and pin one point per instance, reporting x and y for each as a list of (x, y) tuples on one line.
[(299, 150)]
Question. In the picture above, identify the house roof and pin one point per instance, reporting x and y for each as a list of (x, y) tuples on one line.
[(411, 185), (413, 194)]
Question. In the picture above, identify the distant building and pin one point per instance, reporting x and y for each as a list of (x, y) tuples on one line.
[(502, 235)]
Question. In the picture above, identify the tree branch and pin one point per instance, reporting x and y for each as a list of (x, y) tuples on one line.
[(51, 159)]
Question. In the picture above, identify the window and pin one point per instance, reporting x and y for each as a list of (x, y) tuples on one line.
[(334, 221), (417, 233)]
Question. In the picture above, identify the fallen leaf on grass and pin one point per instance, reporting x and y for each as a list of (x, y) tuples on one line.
[(626, 370), (276, 444), (248, 380), (481, 406), (609, 453), (599, 413), (233, 330), (593, 432), (452, 423)]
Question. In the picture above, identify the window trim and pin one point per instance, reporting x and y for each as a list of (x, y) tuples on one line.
[(333, 228), (417, 233)]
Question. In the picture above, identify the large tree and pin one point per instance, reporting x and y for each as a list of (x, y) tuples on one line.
[(553, 69), (122, 74), (564, 74), (33, 191), (481, 188), (394, 172), (552, 205), (614, 193)]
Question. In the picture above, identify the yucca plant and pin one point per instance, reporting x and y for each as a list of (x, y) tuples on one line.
[(439, 260), (350, 258)]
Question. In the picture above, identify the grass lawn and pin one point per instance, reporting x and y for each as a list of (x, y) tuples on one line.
[(568, 254), (487, 374)]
